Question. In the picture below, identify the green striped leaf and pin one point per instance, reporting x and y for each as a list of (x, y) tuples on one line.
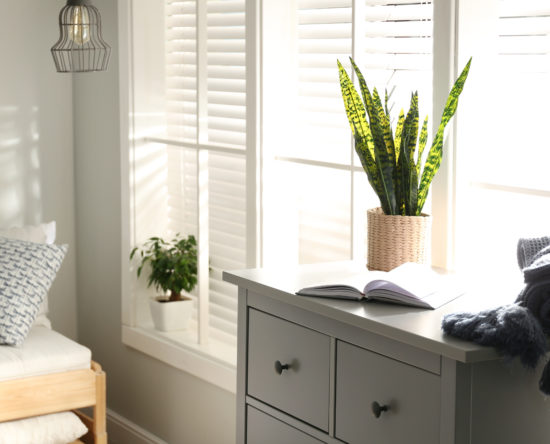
[(382, 158), (386, 129), (384, 152), (436, 151), (368, 100), (413, 189), (422, 144), (409, 178), (386, 99), (398, 133), (354, 107), (398, 172), (385, 126), (412, 127), (369, 165)]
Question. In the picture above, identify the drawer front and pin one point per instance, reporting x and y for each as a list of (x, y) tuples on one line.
[(264, 429), (302, 390), (411, 395)]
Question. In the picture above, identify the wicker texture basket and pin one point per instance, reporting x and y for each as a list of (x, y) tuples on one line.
[(394, 240)]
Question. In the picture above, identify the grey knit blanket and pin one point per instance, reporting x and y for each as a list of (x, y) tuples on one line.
[(519, 329), (534, 258)]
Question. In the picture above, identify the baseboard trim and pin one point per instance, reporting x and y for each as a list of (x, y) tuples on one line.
[(123, 431)]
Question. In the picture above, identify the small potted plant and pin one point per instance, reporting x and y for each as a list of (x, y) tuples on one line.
[(173, 269), (396, 168)]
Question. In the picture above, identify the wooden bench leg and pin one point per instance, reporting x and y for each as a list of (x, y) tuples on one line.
[(100, 413), (98, 425)]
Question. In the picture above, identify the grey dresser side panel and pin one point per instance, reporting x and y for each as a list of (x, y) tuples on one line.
[(456, 398), (463, 404), (448, 401), (242, 335), (507, 405), (362, 338)]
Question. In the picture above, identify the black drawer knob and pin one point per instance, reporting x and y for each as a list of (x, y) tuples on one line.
[(378, 409), (279, 368)]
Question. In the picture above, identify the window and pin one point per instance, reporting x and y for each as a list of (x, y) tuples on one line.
[(502, 155), (205, 76), (187, 167), (325, 193)]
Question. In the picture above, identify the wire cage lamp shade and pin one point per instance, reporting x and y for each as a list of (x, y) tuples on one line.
[(80, 47)]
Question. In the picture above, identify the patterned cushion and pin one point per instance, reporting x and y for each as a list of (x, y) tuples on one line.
[(27, 271)]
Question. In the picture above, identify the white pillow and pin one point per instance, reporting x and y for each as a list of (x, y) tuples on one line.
[(27, 270), (44, 234), (57, 428)]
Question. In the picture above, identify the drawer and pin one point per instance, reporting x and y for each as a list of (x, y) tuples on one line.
[(264, 429), (412, 395), (302, 390)]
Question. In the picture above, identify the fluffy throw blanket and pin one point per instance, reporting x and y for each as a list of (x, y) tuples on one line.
[(519, 329)]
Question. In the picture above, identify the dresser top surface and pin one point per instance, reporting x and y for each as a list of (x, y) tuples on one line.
[(413, 326)]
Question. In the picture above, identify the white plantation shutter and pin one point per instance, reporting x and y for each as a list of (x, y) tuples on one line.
[(218, 102), (324, 205), (226, 72), (391, 41), (395, 50), (226, 91), (504, 129), (524, 67), (227, 239), (181, 70), (523, 29)]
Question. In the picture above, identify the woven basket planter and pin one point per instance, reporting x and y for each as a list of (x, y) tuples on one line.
[(394, 240)]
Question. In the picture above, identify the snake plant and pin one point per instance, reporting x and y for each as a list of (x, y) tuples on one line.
[(393, 161)]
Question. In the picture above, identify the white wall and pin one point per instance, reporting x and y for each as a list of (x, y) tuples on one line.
[(171, 404), (36, 139)]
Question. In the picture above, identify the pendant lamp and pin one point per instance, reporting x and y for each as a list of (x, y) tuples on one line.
[(80, 47)]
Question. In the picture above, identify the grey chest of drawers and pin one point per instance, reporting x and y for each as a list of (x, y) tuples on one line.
[(313, 370)]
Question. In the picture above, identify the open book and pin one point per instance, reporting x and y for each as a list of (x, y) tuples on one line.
[(409, 284)]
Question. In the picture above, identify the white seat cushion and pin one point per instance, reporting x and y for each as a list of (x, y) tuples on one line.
[(57, 428), (44, 351)]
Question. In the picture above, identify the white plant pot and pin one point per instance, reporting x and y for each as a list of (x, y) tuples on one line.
[(170, 316)]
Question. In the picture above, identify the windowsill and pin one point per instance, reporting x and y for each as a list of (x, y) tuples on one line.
[(214, 363)]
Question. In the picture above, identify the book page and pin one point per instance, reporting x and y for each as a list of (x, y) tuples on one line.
[(410, 280), (350, 287), (414, 284), (410, 284)]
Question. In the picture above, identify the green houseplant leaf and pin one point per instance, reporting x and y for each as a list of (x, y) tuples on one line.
[(436, 151), (369, 145), (393, 164)]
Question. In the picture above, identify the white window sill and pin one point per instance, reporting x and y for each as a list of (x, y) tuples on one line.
[(215, 362)]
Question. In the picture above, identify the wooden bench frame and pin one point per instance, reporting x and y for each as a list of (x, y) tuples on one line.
[(59, 392)]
